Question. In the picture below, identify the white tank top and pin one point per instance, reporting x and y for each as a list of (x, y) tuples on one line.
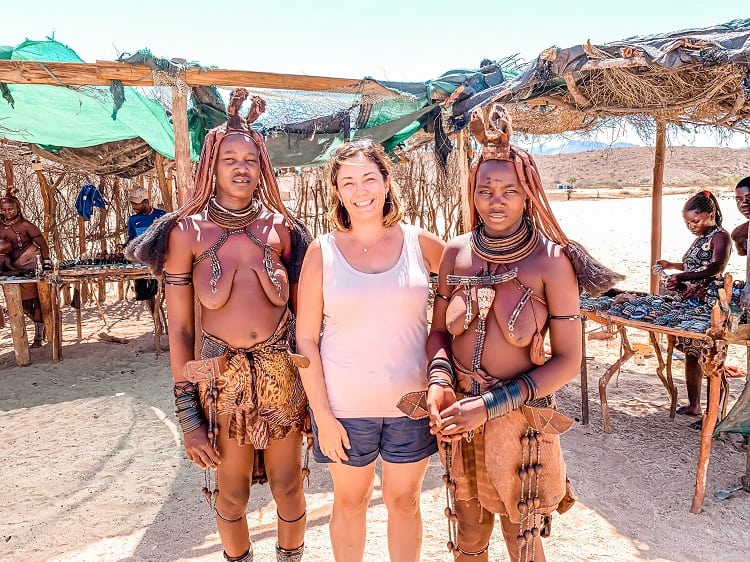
[(374, 331)]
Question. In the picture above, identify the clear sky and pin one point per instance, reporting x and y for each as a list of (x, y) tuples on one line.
[(405, 40)]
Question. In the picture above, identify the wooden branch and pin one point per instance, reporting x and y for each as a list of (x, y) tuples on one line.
[(581, 99), (614, 63), (102, 72), (164, 186), (9, 175)]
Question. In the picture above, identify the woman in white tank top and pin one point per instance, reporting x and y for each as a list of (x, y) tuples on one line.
[(366, 285)]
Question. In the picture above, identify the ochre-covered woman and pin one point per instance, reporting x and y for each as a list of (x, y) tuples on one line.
[(503, 288), (236, 249)]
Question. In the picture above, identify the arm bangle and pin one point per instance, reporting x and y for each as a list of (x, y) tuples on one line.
[(530, 385), (502, 399)]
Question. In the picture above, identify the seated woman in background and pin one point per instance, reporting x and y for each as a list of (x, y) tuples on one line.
[(27, 242), (704, 261)]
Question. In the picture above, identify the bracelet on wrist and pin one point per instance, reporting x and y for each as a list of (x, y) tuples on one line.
[(502, 399), (530, 386), (441, 365)]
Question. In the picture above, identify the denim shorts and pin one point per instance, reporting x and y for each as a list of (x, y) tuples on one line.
[(397, 440)]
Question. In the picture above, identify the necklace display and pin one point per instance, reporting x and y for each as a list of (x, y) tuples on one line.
[(506, 249), (366, 249), (232, 219)]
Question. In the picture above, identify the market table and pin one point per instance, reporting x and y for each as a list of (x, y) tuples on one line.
[(50, 314), (714, 347), (106, 273)]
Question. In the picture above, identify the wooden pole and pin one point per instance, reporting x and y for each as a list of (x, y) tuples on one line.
[(52, 235), (101, 73), (83, 288), (9, 175), (181, 145), (462, 153), (57, 320), (48, 315), (656, 201), (164, 186), (103, 240), (707, 431), (17, 323)]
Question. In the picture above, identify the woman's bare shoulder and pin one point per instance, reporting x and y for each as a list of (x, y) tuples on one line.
[(186, 229), (554, 259), (458, 242)]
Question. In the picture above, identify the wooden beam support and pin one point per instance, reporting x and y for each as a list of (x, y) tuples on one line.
[(102, 72), (656, 201), (47, 303), (9, 182), (181, 145), (17, 322), (600, 64)]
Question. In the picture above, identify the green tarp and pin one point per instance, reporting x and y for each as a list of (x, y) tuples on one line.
[(76, 117)]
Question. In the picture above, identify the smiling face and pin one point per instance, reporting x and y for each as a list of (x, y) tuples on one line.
[(361, 188), (699, 222), (237, 171), (499, 198)]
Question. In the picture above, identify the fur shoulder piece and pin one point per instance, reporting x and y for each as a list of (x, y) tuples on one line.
[(301, 239), (151, 246)]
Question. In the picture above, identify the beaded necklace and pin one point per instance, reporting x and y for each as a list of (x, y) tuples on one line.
[(506, 249), (231, 219)]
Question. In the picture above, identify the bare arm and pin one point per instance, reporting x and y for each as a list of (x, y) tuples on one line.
[(439, 340), (180, 301), (561, 292), (181, 314), (332, 436)]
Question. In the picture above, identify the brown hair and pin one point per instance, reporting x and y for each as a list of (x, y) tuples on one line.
[(267, 190), (393, 210)]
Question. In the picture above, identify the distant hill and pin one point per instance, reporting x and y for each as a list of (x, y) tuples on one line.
[(573, 146), (625, 167)]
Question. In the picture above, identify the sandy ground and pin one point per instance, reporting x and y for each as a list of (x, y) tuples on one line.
[(93, 467)]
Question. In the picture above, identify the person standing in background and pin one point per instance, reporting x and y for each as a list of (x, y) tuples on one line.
[(143, 217)]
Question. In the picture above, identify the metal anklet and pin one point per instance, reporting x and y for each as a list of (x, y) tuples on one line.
[(247, 557), (286, 555), (290, 520), (478, 553)]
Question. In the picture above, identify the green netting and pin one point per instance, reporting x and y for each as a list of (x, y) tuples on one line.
[(80, 116), (301, 127)]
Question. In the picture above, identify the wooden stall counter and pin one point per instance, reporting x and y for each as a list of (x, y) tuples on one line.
[(50, 312), (714, 346), (107, 273)]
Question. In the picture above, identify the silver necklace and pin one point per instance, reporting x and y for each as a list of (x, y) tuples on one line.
[(365, 249)]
